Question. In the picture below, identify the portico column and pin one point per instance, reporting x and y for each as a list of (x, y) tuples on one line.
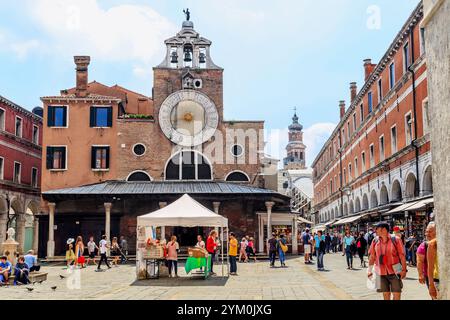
[(108, 206), (163, 229), (269, 206), (294, 236), (36, 235), (51, 230)]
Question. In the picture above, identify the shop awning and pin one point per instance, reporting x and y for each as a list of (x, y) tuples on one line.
[(421, 204), (404, 207), (302, 220), (320, 227), (349, 220), (330, 223)]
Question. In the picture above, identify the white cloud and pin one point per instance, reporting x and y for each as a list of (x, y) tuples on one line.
[(23, 48), (314, 138), (120, 33)]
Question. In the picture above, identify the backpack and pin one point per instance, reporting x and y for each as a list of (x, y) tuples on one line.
[(370, 238)]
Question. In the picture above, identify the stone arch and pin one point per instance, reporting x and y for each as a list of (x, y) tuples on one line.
[(357, 205), (427, 181), (351, 207), (332, 214), (365, 203), (237, 176), (384, 195), (338, 214), (345, 209), (373, 199), (139, 175), (396, 191), (410, 186)]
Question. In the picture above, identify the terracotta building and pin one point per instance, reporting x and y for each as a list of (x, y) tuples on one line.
[(20, 173), (377, 163), (113, 154)]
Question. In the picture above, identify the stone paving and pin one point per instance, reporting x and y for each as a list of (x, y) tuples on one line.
[(256, 281)]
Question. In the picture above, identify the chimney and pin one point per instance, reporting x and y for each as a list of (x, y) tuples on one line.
[(368, 68), (82, 63), (342, 108), (353, 91)]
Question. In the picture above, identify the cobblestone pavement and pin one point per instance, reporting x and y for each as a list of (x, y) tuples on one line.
[(256, 281)]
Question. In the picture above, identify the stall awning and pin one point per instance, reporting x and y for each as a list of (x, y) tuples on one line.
[(330, 223), (302, 220), (421, 204), (349, 219), (404, 207), (320, 227), (185, 212)]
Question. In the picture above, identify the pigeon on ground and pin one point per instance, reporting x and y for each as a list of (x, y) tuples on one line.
[(54, 288), (62, 277), (30, 289)]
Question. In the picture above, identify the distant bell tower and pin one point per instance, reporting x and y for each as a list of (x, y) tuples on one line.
[(295, 159)]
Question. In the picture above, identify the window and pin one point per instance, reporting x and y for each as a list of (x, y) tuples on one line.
[(380, 90), (363, 160), (56, 158), (34, 177), (356, 168), (348, 131), (101, 117), (426, 117), (382, 148), (57, 117), (394, 139), (139, 149), (100, 158), (2, 119), (2, 164), (361, 114), (370, 102), (238, 150), (422, 41), (345, 177), (188, 165), (354, 122), (391, 75), (349, 172), (19, 127), (372, 156), (139, 176), (35, 134), (343, 136), (408, 129), (242, 177), (406, 60), (17, 172)]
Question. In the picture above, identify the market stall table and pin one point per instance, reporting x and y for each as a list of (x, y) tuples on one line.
[(193, 263)]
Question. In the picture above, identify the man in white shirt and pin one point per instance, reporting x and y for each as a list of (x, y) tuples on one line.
[(103, 247)]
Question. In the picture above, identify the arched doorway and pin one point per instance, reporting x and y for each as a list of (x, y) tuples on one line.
[(396, 193), (357, 205), (30, 227), (384, 195), (427, 184), (352, 207), (373, 199), (410, 189), (365, 203), (345, 209)]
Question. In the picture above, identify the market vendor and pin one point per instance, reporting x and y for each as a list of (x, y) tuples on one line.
[(211, 247), (172, 256)]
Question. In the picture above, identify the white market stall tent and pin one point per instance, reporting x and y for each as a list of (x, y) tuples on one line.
[(184, 212)]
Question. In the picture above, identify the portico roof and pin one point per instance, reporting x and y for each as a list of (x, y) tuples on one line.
[(124, 188)]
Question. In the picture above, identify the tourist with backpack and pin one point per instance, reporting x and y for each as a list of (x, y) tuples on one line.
[(422, 262), (361, 246), (387, 259)]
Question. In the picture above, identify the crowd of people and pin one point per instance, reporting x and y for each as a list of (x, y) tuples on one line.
[(76, 252)]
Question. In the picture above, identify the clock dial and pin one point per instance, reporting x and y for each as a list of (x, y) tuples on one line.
[(188, 118)]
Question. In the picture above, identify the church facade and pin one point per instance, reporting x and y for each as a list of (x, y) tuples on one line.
[(112, 154)]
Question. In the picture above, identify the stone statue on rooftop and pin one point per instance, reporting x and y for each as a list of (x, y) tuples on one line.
[(188, 14)]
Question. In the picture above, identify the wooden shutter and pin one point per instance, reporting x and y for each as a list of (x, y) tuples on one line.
[(110, 113), (49, 158), (92, 118), (107, 156), (50, 116), (93, 156)]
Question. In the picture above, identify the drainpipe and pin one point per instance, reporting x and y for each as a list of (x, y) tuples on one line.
[(414, 142)]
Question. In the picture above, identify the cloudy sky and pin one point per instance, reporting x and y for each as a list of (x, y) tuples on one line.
[(277, 55)]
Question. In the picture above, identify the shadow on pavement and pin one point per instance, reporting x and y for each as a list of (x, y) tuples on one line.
[(187, 281)]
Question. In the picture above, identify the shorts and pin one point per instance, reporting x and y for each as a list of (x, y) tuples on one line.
[(91, 255), (307, 248), (390, 283)]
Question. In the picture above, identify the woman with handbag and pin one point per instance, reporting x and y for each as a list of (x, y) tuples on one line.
[(282, 249), (79, 252)]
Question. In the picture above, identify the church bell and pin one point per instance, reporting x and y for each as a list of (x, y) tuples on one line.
[(187, 56), (202, 58), (174, 57)]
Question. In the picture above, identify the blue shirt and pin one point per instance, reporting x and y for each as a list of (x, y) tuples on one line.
[(30, 260), (348, 240), (316, 239), (6, 265)]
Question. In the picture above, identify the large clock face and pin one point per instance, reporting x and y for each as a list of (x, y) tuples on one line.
[(188, 118)]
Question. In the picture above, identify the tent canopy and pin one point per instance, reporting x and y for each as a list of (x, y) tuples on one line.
[(185, 212)]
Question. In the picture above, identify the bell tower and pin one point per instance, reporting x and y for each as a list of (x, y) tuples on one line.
[(296, 155)]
